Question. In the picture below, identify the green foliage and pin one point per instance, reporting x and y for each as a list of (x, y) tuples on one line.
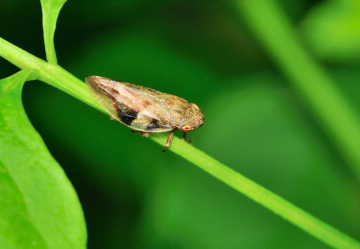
[(39, 206), (330, 107), (50, 11), (332, 30)]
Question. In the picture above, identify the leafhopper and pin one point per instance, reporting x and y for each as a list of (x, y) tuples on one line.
[(145, 110)]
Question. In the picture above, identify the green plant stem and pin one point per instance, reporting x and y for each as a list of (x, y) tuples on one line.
[(278, 205), (51, 74), (58, 77), (50, 11), (329, 106)]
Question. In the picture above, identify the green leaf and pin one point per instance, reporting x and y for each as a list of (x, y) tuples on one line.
[(38, 205), (50, 10), (332, 30)]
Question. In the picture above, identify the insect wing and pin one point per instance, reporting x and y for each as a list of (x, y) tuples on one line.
[(148, 107), (128, 104), (106, 100), (152, 103), (144, 123)]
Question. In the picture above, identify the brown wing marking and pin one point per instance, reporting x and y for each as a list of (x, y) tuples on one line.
[(125, 114), (157, 125)]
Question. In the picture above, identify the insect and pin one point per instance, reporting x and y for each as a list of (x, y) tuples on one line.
[(145, 110)]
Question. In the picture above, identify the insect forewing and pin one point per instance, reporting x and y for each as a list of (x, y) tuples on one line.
[(130, 104), (102, 97), (152, 115)]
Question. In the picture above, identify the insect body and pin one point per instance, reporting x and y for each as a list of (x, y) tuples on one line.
[(144, 109)]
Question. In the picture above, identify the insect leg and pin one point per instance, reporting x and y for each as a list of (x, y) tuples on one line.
[(184, 138), (168, 142), (145, 134)]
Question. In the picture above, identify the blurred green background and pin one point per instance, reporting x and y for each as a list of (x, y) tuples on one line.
[(133, 195)]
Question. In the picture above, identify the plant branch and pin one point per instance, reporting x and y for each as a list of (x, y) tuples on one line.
[(50, 11), (328, 105), (278, 205), (52, 74), (58, 77)]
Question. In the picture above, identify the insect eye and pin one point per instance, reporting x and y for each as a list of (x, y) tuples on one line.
[(186, 128)]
